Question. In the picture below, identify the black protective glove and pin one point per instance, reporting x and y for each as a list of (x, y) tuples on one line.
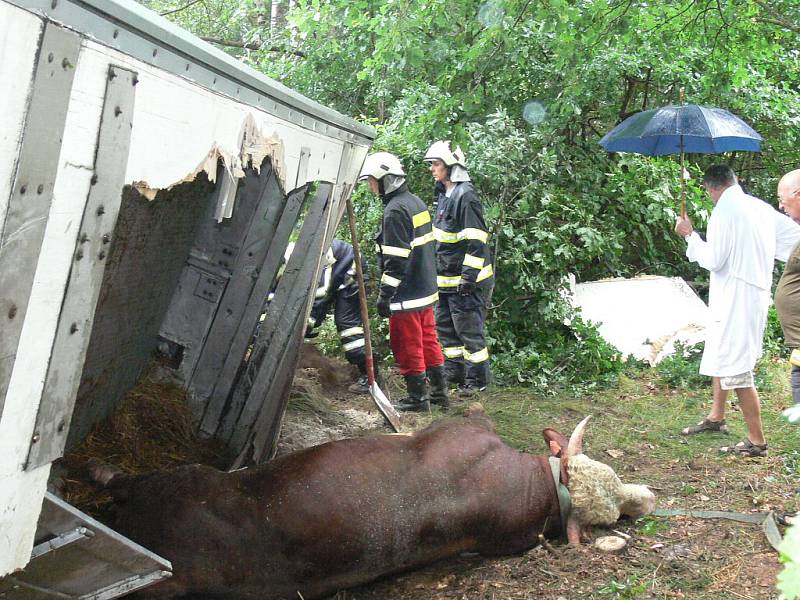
[(465, 288), (383, 306)]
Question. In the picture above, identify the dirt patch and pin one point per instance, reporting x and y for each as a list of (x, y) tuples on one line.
[(321, 408)]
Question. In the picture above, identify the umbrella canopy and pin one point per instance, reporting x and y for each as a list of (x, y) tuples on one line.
[(684, 128)]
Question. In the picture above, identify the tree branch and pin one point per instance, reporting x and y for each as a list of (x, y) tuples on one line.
[(779, 23), (251, 46), (184, 7)]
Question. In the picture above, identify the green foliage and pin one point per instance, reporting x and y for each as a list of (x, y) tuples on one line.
[(789, 578), (773, 336), (681, 369), (651, 525), (630, 588), (555, 201)]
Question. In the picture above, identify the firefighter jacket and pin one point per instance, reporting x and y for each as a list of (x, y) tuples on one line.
[(462, 250), (406, 253), (337, 275)]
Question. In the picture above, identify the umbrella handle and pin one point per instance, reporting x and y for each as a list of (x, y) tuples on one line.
[(683, 184)]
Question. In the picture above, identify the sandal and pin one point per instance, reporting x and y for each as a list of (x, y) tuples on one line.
[(707, 425), (746, 448)]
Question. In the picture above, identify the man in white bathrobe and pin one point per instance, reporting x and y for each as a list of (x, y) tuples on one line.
[(745, 235)]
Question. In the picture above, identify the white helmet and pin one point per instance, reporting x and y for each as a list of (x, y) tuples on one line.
[(441, 151), (380, 164)]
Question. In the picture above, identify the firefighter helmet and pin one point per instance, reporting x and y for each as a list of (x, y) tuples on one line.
[(380, 164), (441, 151)]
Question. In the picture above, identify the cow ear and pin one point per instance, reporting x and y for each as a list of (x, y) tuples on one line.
[(555, 441), (555, 448)]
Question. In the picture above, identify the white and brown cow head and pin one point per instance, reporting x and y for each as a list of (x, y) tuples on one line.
[(598, 496)]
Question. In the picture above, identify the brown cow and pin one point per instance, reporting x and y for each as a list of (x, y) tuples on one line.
[(347, 512)]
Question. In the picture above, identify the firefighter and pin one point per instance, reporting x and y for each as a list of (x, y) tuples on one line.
[(337, 288), (406, 255), (464, 269)]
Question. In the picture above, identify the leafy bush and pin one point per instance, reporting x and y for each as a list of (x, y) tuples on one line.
[(681, 369), (574, 354)]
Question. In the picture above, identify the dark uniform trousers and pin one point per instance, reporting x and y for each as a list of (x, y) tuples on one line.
[(459, 324), (347, 317)]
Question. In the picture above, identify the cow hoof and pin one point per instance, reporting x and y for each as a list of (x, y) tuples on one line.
[(102, 472)]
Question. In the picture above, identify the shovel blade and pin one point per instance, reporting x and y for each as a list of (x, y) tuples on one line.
[(385, 406)]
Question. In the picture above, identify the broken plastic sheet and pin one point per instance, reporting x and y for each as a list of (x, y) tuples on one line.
[(254, 147), (644, 317)]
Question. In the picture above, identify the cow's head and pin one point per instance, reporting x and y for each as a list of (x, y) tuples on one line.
[(598, 496)]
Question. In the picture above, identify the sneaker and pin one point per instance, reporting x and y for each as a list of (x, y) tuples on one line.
[(361, 386)]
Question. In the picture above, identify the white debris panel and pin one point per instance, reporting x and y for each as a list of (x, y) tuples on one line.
[(643, 317)]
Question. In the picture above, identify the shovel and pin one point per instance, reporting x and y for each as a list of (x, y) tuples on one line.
[(382, 402)]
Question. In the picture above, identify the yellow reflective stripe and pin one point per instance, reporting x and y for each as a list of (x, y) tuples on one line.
[(351, 331), (477, 357), (311, 322), (471, 233), (353, 345), (420, 219), (392, 281), (473, 261), (422, 240), (453, 351), (445, 281), (795, 357), (445, 237), (415, 303), (396, 251), (451, 237), (485, 273)]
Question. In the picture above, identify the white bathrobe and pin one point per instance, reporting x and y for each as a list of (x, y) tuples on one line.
[(745, 236)]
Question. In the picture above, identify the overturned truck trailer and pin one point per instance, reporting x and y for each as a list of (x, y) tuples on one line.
[(149, 185)]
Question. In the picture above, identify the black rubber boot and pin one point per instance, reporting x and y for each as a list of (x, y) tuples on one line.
[(454, 371), (478, 378), (438, 386), (361, 386), (417, 400)]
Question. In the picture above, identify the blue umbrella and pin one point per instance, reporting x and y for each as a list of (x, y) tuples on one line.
[(679, 129)]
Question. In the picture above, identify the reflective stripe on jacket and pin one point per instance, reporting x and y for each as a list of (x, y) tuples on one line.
[(462, 239), (406, 253)]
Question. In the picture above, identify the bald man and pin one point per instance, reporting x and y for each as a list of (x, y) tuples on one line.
[(787, 294)]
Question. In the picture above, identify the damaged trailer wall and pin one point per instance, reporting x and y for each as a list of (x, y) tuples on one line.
[(151, 244), (178, 131)]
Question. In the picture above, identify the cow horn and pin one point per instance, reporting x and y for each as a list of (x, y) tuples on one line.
[(575, 445)]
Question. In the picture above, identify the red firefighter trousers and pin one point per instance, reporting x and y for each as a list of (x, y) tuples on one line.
[(412, 336)]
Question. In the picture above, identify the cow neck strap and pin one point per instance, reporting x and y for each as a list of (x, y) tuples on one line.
[(564, 501)]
